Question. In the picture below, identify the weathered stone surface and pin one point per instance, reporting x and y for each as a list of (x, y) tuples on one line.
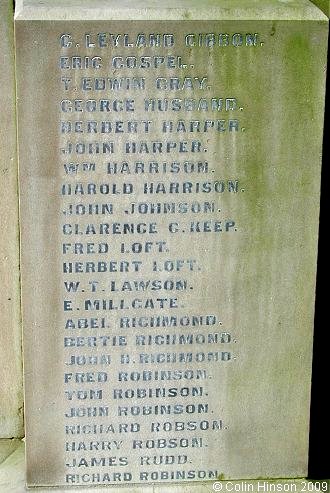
[(11, 390), (173, 10), (168, 248)]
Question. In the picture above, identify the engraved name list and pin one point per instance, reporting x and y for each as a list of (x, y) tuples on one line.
[(142, 180)]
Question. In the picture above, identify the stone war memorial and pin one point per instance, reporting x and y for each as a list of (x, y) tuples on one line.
[(169, 175)]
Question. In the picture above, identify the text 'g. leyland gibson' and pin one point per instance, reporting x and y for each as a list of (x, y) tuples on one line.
[(162, 40)]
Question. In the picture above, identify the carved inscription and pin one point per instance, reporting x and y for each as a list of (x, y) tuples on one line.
[(147, 209)]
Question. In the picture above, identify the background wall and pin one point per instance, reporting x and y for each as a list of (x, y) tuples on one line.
[(11, 392)]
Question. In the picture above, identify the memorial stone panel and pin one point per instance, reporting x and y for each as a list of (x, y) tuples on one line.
[(169, 178), (11, 385)]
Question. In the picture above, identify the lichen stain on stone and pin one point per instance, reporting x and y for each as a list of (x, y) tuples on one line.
[(299, 54), (273, 29)]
